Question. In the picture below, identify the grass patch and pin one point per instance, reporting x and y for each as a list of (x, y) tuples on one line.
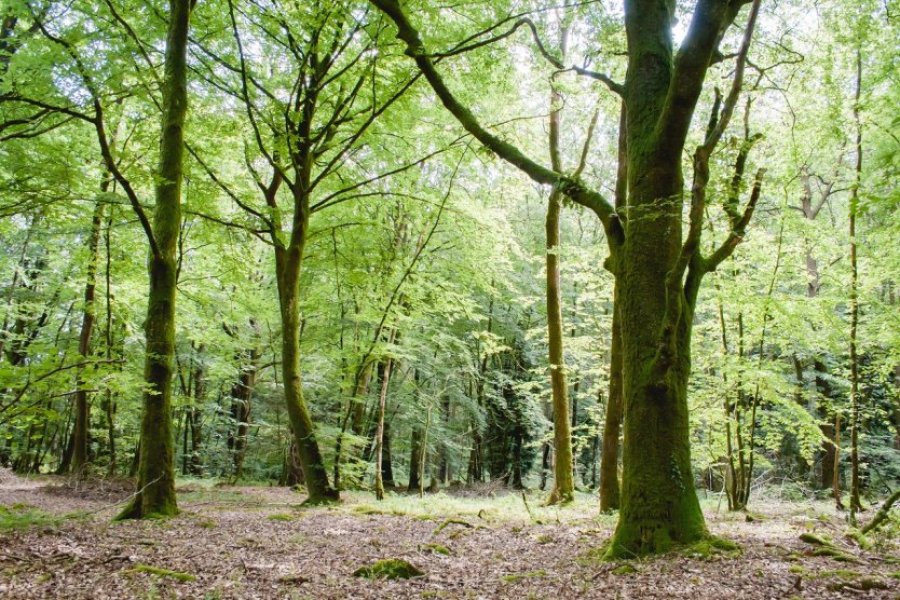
[(160, 572), (389, 568), (19, 517)]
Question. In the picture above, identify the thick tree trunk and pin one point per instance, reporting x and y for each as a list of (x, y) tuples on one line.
[(658, 504), (287, 265), (156, 469)]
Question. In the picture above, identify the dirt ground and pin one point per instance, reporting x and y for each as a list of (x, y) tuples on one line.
[(256, 542)]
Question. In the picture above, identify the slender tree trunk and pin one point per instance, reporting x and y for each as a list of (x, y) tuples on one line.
[(82, 408), (415, 457), (108, 402), (196, 415), (379, 432), (836, 468), (241, 405), (156, 470), (563, 486), (563, 481), (855, 503), (609, 465)]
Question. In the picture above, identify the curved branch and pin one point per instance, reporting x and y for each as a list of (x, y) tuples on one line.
[(511, 154)]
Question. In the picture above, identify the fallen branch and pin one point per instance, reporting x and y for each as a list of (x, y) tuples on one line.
[(882, 513), (448, 522)]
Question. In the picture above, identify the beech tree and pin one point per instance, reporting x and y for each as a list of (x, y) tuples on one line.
[(660, 265)]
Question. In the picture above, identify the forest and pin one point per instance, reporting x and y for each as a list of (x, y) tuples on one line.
[(485, 299)]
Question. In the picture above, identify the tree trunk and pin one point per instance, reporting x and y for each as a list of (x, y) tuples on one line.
[(609, 459), (156, 470), (855, 503), (563, 485), (82, 408), (415, 456), (379, 432), (609, 466), (287, 265), (241, 405)]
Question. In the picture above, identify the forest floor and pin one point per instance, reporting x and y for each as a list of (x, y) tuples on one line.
[(57, 540)]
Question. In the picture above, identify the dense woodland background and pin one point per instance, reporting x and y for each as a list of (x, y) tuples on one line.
[(423, 282)]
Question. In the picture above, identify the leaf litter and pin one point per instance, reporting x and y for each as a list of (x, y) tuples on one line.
[(226, 544)]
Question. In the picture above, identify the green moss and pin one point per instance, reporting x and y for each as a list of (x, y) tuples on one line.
[(389, 568), (544, 539), (825, 547), (515, 577), (864, 583), (839, 573), (796, 569), (624, 569), (282, 517), (834, 553), (151, 570), (437, 549), (711, 547), (815, 540)]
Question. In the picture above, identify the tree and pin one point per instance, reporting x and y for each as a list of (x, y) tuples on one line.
[(661, 267), (156, 471)]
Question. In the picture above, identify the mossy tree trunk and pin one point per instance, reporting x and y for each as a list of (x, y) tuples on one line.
[(563, 479), (287, 265), (156, 467)]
